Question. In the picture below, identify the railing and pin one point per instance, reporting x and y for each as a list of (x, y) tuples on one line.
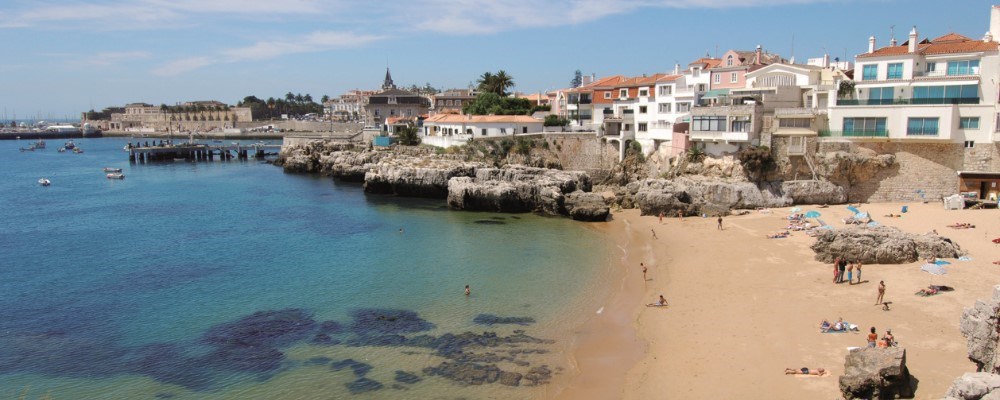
[(941, 73), (719, 135), (893, 102), (918, 132), (856, 134)]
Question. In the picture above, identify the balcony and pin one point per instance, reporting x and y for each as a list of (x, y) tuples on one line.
[(897, 102), (799, 112), (854, 134), (720, 136), (944, 74)]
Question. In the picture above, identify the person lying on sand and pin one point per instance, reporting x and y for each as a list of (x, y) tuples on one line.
[(661, 302), (779, 235), (826, 326), (961, 225), (930, 291), (891, 215), (997, 262), (805, 371)]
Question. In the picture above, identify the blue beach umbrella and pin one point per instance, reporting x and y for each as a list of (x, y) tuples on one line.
[(812, 214), (860, 215), (853, 209), (941, 262)]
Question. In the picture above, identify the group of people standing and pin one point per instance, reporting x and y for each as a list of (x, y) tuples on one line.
[(842, 266)]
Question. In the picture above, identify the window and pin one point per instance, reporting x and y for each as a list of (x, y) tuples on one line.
[(968, 123), (931, 67), (628, 127), (665, 107), (741, 124), (503, 131), (622, 92), (642, 127), (392, 112), (966, 67), (718, 78), (717, 124), (895, 71), (666, 90), (524, 129), (880, 95), (643, 92), (970, 144), (793, 123), (732, 77), (607, 95), (468, 131), (854, 126), (870, 72), (729, 61), (683, 107), (642, 109), (922, 126), (448, 103), (483, 132), (953, 94)]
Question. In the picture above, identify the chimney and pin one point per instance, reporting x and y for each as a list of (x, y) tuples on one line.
[(995, 23), (892, 42), (988, 37), (758, 61), (826, 60), (677, 69), (871, 44), (913, 40)]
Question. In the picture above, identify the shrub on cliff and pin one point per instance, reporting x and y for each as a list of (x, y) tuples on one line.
[(555, 120), (757, 161), (407, 136)]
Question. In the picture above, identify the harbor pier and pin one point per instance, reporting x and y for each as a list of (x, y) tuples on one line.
[(145, 153)]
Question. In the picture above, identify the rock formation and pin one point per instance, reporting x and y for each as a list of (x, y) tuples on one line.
[(523, 189), (980, 324), (876, 373), (882, 245), (714, 196), (416, 177)]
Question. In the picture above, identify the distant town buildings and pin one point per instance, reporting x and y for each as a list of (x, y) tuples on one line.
[(394, 103), (193, 115)]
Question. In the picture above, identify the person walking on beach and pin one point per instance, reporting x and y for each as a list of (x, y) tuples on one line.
[(643, 271), (881, 292), (654, 233), (467, 290), (850, 273), (680, 214), (720, 222), (836, 270), (857, 269), (661, 217), (842, 266)]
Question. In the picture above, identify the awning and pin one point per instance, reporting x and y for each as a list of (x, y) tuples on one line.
[(715, 93), (979, 175)]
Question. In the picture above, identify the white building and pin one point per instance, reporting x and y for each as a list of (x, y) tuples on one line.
[(936, 90), (445, 130)]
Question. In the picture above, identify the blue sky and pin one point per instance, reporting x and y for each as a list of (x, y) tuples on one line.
[(63, 57)]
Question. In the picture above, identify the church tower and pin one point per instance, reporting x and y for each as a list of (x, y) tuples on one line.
[(387, 84)]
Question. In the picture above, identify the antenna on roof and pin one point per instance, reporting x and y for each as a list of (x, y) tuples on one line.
[(892, 30), (793, 48)]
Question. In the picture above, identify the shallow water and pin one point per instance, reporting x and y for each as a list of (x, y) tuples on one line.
[(110, 287)]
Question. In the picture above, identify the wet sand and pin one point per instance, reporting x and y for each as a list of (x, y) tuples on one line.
[(743, 308)]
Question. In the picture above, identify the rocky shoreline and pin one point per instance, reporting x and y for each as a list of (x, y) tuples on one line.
[(493, 184)]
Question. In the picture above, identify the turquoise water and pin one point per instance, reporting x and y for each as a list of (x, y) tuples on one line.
[(109, 289)]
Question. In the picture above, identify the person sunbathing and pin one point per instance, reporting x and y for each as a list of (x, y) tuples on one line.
[(805, 371), (929, 291), (661, 302), (779, 235), (891, 215), (961, 225)]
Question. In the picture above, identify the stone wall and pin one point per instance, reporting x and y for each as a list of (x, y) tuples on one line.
[(985, 157), (922, 171), (584, 152)]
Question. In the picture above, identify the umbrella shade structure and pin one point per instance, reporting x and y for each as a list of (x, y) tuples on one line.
[(860, 215), (796, 209), (934, 270), (812, 214), (941, 262), (853, 209)]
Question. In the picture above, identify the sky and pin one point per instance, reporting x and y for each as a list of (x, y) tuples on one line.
[(60, 58)]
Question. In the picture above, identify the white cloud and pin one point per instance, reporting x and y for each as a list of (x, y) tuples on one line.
[(314, 42)]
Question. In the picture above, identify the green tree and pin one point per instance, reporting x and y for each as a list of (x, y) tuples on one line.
[(555, 120), (407, 135), (503, 82), (324, 99), (577, 79), (487, 83), (489, 103)]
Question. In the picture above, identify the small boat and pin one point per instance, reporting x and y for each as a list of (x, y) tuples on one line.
[(117, 175), (40, 144), (44, 182), (70, 145), (62, 149), (29, 148), (77, 150), (109, 169)]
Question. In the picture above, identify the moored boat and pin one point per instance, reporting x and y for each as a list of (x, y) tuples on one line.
[(62, 150), (117, 175), (70, 145), (40, 144), (77, 150), (44, 182), (109, 169)]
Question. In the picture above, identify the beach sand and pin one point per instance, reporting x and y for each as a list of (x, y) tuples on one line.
[(743, 308)]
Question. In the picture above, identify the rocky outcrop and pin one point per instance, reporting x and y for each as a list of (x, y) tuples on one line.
[(416, 177), (975, 386), (848, 168), (715, 196), (882, 245), (876, 373), (587, 206), (516, 189), (979, 324), (306, 157), (350, 165)]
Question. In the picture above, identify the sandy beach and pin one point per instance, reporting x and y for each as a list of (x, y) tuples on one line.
[(743, 308)]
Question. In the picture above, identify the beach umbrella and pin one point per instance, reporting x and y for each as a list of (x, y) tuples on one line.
[(934, 269), (941, 262), (860, 215), (853, 209), (812, 214), (796, 209)]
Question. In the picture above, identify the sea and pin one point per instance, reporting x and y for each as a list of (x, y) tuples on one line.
[(235, 280)]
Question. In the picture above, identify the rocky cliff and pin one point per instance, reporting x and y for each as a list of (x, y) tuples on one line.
[(882, 245), (718, 196), (522, 189), (980, 324)]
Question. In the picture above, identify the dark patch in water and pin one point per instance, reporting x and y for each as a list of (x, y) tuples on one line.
[(324, 339), (161, 277), (360, 369), (490, 320), (245, 358), (263, 328), (330, 327), (387, 321), (498, 218), (407, 377), (165, 363), (318, 360), (488, 222), (515, 217), (363, 385)]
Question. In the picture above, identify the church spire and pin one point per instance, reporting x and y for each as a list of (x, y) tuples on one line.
[(387, 84)]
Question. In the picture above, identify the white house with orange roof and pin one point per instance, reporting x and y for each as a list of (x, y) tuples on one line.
[(446, 130)]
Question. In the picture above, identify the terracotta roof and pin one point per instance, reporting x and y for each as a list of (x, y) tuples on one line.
[(605, 82), (534, 97), (640, 81), (947, 44), (708, 61), (455, 119), (667, 78)]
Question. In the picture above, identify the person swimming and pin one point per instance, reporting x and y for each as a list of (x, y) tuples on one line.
[(467, 290)]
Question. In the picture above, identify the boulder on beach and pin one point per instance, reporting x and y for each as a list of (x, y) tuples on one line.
[(979, 324), (876, 373), (975, 386), (587, 206), (516, 188), (882, 245), (694, 196)]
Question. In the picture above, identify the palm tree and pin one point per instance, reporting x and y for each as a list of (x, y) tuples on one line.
[(503, 82), (487, 83)]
